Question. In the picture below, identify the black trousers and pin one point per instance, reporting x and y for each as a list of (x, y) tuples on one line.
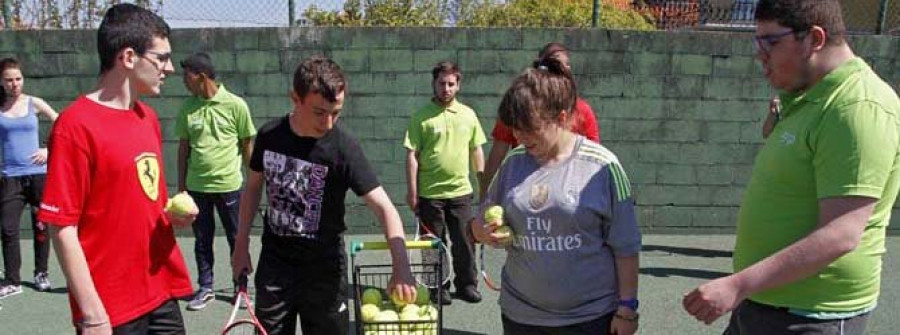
[(752, 318), (227, 204), (451, 217), (15, 193)]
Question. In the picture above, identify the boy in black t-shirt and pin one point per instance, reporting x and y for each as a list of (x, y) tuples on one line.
[(307, 164)]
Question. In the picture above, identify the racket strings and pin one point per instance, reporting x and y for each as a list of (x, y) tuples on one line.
[(439, 259)]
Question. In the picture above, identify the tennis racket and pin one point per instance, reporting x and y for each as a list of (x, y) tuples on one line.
[(243, 326), (439, 256), (491, 278)]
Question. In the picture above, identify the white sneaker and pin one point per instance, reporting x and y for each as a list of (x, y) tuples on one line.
[(42, 282), (10, 290), (201, 298)]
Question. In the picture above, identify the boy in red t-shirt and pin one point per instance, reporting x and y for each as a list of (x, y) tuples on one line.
[(106, 191), (584, 123)]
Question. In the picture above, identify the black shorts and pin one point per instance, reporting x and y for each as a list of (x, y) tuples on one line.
[(313, 290)]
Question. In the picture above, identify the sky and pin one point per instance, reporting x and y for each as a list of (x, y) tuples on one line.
[(236, 13)]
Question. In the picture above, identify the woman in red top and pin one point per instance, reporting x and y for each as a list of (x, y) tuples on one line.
[(585, 123)]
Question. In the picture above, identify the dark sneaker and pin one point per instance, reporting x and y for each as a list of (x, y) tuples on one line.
[(443, 299), (42, 282), (469, 294), (201, 299), (9, 290)]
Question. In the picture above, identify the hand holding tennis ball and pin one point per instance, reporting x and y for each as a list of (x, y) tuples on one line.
[(181, 204), (494, 214), (398, 301)]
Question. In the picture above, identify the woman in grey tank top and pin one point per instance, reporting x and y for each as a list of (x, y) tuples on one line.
[(572, 258), (22, 181)]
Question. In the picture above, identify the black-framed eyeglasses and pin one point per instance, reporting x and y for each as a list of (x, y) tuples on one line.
[(162, 57), (765, 43)]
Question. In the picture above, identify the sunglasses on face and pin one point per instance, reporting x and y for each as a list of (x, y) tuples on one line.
[(162, 58)]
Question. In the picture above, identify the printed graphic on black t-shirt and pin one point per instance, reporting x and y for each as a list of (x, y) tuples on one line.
[(296, 191), (307, 180)]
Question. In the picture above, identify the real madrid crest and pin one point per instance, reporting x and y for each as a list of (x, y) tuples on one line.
[(147, 166), (539, 195)]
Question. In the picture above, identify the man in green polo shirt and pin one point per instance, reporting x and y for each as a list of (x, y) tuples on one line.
[(811, 227), (444, 141), (215, 135)]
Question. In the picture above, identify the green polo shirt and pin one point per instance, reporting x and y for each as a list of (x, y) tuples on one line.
[(443, 138), (839, 138), (214, 128)]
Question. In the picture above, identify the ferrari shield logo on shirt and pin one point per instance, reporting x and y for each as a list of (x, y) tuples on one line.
[(147, 166), (539, 195)]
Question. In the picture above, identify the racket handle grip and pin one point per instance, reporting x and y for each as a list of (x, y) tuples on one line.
[(358, 246)]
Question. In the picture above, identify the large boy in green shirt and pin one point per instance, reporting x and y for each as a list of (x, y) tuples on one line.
[(811, 228)]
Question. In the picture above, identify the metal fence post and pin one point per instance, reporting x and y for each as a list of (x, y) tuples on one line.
[(291, 17), (882, 17), (7, 14), (595, 19)]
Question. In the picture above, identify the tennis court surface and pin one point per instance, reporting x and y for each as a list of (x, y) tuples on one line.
[(670, 266)]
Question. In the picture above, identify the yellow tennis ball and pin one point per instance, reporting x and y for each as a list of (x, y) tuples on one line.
[(369, 311), (181, 204), (397, 300), (423, 296), (371, 296), (493, 213), (503, 232)]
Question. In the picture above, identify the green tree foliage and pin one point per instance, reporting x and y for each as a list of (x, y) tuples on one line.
[(47, 14), (476, 13), (547, 13), (381, 13)]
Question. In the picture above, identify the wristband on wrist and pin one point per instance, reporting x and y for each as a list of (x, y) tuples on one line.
[(85, 324), (630, 303)]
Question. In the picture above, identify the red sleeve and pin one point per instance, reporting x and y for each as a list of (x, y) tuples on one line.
[(502, 133), (68, 176), (586, 121)]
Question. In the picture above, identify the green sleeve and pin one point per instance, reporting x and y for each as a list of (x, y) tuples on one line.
[(478, 137), (243, 121), (413, 138), (854, 150)]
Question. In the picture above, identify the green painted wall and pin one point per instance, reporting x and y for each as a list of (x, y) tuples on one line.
[(681, 109)]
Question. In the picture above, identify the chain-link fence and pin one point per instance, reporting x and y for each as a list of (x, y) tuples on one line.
[(861, 16)]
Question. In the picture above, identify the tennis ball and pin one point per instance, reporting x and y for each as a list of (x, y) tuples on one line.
[(423, 296), (503, 232), (410, 309), (369, 311), (371, 296), (409, 314), (387, 316), (429, 312), (181, 204), (398, 301), (493, 213)]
